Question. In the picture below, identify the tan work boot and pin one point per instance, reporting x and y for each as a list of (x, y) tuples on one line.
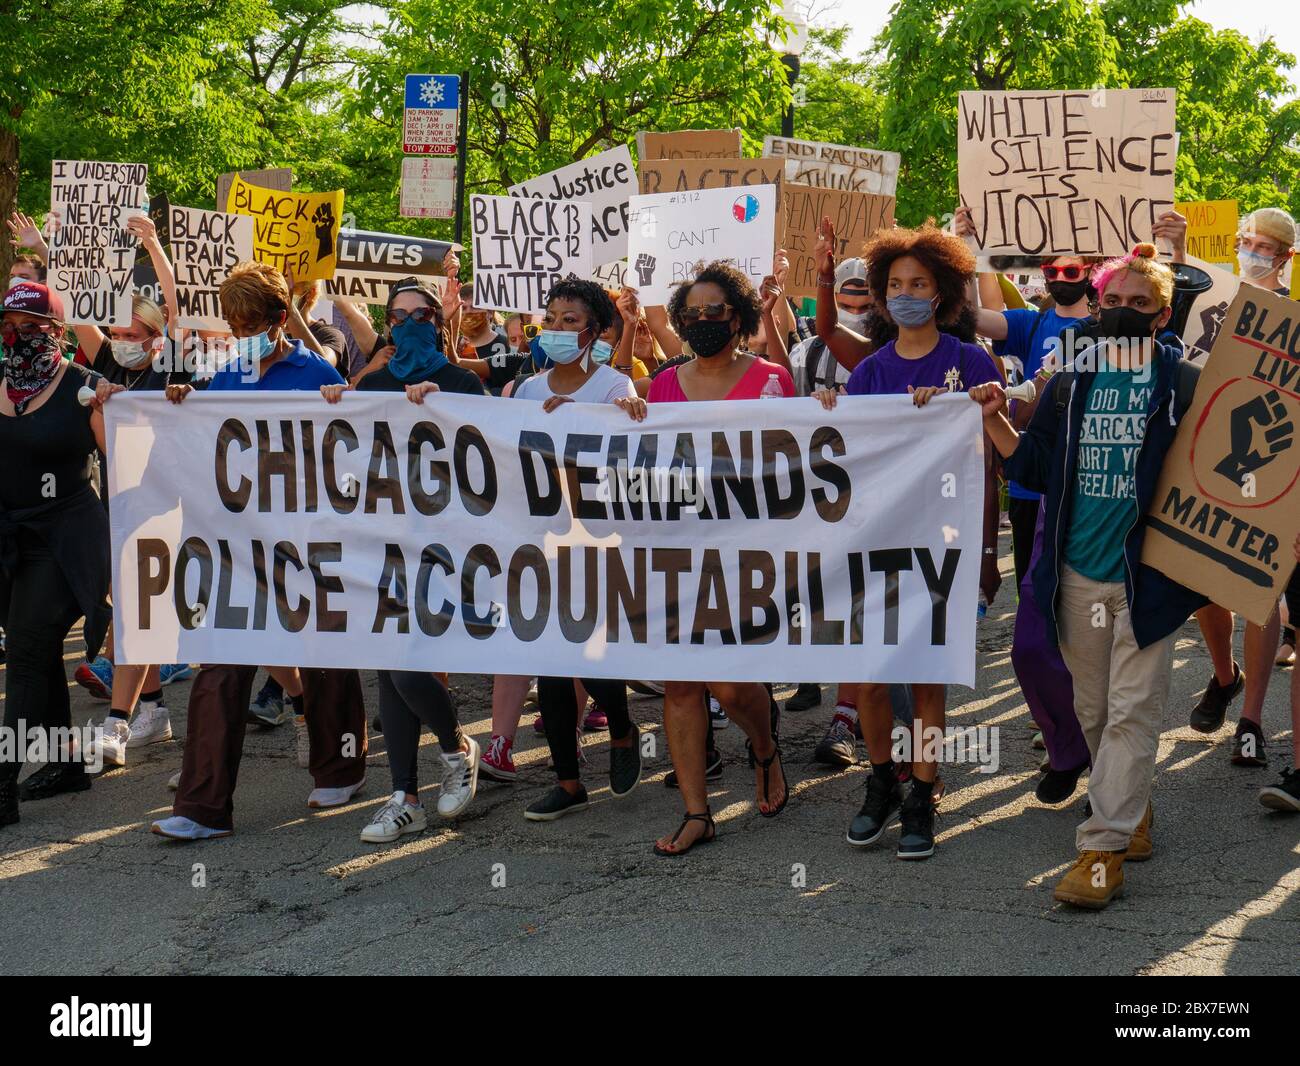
[(1140, 847), (1096, 878)]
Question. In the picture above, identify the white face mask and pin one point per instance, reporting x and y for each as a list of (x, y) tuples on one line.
[(855, 322), (129, 354), (1253, 265)]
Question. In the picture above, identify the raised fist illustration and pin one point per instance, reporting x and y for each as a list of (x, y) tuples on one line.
[(645, 267), (1261, 429), (323, 220)]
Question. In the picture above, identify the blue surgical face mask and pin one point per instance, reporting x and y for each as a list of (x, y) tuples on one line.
[(910, 310), (560, 345), (255, 348), (602, 351)]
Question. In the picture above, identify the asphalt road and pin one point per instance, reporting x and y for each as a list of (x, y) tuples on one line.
[(86, 889)]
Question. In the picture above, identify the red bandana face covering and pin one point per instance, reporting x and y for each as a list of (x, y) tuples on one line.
[(30, 364)]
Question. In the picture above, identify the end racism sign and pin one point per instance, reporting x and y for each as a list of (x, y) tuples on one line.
[(1055, 173), (836, 166), (1226, 510)]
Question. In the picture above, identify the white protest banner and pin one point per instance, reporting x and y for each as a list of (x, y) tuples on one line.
[(205, 245), (522, 247), (92, 254), (729, 541), (428, 187), (429, 117), (836, 166), (673, 235), (368, 263), (1057, 173), (605, 181)]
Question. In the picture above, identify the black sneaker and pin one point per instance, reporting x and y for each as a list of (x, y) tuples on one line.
[(806, 697), (1057, 786), (54, 778), (879, 810), (556, 804), (625, 766), (1208, 715), (839, 746), (712, 769), (917, 839), (1284, 796), (1248, 745), (377, 724), (8, 802)]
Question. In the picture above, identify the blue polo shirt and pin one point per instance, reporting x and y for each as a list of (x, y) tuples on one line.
[(299, 370)]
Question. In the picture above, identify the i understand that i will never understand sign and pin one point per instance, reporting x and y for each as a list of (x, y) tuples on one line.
[(712, 541)]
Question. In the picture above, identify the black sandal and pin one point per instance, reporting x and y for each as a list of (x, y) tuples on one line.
[(765, 765), (709, 835)]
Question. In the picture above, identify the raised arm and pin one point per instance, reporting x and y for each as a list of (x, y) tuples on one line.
[(657, 319), (142, 226), (846, 346), (358, 320)]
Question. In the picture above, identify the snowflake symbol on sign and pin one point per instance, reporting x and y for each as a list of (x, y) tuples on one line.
[(431, 92)]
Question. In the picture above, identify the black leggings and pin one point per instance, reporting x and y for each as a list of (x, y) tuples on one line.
[(1024, 517), (42, 609), (559, 706), (408, 698), (1292, 595)]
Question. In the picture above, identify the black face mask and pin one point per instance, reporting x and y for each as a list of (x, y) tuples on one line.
[(1126, 323), (1066, 293), (707, 338)]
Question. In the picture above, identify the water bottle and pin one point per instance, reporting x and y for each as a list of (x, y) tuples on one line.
[(772, 390), (982, 608)]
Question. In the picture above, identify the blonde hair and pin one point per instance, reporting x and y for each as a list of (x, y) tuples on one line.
[(1142, 260), (253, 292), (148, 313)]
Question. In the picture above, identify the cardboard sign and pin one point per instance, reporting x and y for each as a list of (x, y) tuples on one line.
[(605, 181), (1059, 173), (428, 187), (205, 245), (674, 234), (681, 175), (429, 117), (689, 144), (856, 217), (276, 178), (523, 246), (836, 166), (611, 275), (1208, 311), (292, 231), (92, 254), (368, 263), (1226, 510), (1211, 229)]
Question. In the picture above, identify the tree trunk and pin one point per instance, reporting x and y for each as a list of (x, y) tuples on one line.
[(8, 193)]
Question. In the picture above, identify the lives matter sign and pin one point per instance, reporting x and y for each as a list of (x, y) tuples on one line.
[(1226, 510), (725, 540), (1056, 173)]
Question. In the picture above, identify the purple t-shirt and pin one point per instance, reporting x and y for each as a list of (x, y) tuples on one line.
[(951, 363)]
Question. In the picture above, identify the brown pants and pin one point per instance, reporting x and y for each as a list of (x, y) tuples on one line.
[(218, 717)]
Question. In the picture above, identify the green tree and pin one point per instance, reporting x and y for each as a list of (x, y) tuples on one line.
[(836, 99)]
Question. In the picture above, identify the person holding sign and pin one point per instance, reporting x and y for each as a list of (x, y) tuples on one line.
[(54, 539), (1095, 447), (920, 278), (712, 314), (577, 313)]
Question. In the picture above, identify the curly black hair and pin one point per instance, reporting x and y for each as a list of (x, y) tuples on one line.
[(944, 255), (592, 296), (741, 296)]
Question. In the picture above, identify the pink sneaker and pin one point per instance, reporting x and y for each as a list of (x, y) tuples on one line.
[(496, 762), (596, 718), (537, 725)]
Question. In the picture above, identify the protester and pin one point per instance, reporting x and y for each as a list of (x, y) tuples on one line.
[(54, 544), (712, 314), (255, 302), (1113, 616)]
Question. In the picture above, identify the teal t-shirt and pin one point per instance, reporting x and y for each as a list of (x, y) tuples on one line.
[(1105, 493)]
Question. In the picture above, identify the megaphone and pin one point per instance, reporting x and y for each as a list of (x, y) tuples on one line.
[(1189, 283)]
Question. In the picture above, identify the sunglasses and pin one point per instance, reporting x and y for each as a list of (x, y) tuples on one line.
[(397, 316), (532, 329), (710, 312), (1065, 273), (10, 332)]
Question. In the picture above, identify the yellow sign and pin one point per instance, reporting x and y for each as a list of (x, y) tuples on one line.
[(295, 232), (1211, 229)]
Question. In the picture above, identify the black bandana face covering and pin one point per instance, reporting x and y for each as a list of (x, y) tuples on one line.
[(29, 366)]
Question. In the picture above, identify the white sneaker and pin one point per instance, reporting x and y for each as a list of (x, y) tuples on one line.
[(395, 818), (303, 741), (334, 797), (112, 745), (174, 782), (459, 780), (152, 724)]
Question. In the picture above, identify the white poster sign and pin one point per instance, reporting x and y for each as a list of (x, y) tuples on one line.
[(522, 247), (204, 246), (836, 166)]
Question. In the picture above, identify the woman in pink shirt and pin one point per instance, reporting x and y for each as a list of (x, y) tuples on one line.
[(713, 314)]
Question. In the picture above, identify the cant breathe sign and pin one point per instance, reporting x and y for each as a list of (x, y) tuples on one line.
[(721, 540), (1050, 173), (1225, 513)]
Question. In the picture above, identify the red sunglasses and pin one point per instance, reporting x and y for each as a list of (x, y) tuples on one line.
[(1065, 273)]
